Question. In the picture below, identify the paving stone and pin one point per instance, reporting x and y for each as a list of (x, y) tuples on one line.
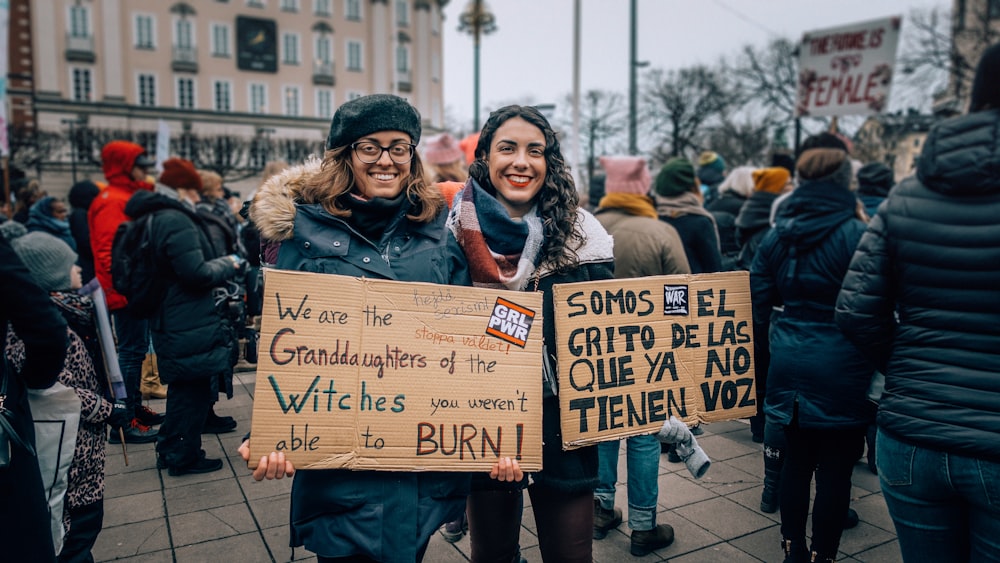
[(723, 478), (197, 527), (739, 520), (202, 496), (133, 483), (147, 538), (872, 509), (718, 553), (246, 547), (676, 490), (885, 553), (763, 544), (750, 498), (723, 447), (165, 556), (726, 427), (271, 511), (440, 551), (277, 541), (135, 508), (863, 537)]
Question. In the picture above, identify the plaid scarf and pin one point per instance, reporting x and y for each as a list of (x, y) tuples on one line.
[(504, 257)]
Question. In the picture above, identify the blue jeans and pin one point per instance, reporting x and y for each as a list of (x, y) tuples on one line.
[(642, 459), (133, 344), (945, 507)]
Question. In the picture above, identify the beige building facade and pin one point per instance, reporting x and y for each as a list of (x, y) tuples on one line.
[(258, 78)]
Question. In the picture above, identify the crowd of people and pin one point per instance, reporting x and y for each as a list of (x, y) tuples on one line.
[(875, 315)]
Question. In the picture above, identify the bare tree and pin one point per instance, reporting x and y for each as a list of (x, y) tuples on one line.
[(940, 53), (602, 122), (678, 104), (226, 155), (744, 142), (766, 80)]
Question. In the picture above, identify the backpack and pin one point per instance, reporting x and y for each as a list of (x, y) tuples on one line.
[(134, 271)]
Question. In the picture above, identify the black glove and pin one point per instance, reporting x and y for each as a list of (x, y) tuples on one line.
[(120, 416)]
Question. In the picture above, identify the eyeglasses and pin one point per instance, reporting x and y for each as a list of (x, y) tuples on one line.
[(370, 153)]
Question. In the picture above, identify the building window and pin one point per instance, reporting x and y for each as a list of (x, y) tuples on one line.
[(402, 13), (222, 91), (994, 9), (293, 101), (354, 95), (185, 35), (436, 67), (435, 21), (255, 3), (290, 48), (185, 93), (220, 40), (82, 85), (324, 104), (79, 21), (352, 9), (144, 32), (258, 98), (354, 55), (147, 90), (322, 8), (324, 49), (289, 5), (402, 58)]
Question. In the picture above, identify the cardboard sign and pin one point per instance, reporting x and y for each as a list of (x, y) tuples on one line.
[(374, 374), (633, 352), (847, 70)]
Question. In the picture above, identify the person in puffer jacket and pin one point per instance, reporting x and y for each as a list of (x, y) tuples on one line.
[(922, 300), (817, 380), (365, 210)]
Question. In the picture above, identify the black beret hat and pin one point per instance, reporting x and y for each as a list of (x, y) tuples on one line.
[(371, 114)]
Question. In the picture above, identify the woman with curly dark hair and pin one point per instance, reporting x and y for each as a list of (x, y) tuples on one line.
[(518, 220)]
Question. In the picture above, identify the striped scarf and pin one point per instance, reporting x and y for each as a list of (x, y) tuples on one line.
[(505, 256)]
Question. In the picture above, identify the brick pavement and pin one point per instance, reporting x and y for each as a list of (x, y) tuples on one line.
[(227, 516)]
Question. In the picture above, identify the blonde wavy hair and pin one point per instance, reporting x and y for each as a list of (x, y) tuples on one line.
[(336, 178)]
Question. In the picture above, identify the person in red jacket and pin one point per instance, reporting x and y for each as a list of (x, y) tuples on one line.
[(125, 166)]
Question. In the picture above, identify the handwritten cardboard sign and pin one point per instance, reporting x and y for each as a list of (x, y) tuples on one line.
[(374, 374), (633, 352), (847, 70)]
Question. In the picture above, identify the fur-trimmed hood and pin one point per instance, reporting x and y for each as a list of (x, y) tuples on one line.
[(273, 208)]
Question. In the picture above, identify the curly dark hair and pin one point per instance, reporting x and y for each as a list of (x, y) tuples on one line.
[(558, 199)]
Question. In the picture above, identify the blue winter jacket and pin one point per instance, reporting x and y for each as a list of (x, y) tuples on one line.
[(815, 374), (385, 516)]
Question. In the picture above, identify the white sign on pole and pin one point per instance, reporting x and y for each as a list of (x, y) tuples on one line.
[(847, 70), (162, 144)]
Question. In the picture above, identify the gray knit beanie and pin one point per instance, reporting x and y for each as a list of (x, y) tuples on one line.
[(48, 258), (371, 114)]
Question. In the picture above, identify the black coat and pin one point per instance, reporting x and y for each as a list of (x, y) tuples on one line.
[(24, 515), (188, 332), (752, 223), (701, 241), (814, 371), (931, 257)]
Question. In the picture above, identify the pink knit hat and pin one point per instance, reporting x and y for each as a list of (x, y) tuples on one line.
[(442, 149), (626, 175)]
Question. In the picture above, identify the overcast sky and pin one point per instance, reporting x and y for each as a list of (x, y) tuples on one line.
[(529, 58)]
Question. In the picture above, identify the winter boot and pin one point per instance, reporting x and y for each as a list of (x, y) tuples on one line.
[(645, 542), (795, 551), (151, 386), (817, 558), (605, 520), (773, 461)]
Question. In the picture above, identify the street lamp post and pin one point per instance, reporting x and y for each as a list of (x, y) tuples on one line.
[(476, 19)]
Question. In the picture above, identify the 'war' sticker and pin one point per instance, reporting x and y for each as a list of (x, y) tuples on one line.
[(510, 322), (675, 300)]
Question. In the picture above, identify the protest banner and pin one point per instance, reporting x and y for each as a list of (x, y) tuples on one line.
[(847, 70), (375, 374), (634, 352)]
